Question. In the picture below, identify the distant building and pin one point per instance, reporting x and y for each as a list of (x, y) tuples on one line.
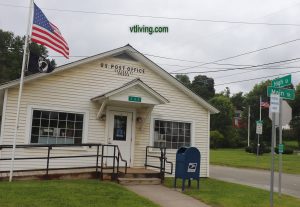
[(237, 119)]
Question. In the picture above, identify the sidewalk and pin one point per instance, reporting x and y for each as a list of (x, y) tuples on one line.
[(165, 197)]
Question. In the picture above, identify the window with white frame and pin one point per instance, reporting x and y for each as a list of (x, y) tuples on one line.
[(53, 127), (172, 134)]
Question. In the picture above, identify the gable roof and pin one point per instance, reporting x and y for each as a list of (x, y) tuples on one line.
[(135, 55)]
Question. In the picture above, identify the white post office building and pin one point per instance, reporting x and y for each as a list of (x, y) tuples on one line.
[(118, 97)]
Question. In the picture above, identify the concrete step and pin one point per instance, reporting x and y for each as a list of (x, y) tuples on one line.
[(140, 175), (139, 181)]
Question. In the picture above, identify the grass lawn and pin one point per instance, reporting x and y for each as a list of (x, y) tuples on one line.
[(68, 193), (291, 144), (222, 194), (240, 158)]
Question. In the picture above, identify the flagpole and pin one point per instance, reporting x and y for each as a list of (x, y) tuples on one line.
[(20, 89)]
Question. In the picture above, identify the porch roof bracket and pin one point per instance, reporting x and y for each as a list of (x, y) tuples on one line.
[(101, 110), (148, 113)]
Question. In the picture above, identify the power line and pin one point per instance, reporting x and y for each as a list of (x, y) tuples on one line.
[(239, 55), (220, 77), (160, 17), (242, 73), (257, 78), (241, 68)]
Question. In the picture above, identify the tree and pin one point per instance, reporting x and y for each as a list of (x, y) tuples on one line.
[(184, 79), (238, 101), (252, 100), (216, 139), (203, 86), (295, 123), (222, 121), (11, 55)]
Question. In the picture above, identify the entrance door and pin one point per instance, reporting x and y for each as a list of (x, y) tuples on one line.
[(120, 133)]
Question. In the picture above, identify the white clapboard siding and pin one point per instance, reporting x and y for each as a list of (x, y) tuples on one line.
[(72, 90)]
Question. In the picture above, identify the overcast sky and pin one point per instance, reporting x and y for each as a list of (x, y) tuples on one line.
[(89, 33)]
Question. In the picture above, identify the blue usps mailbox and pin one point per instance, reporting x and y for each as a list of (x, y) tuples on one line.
[(187, 165)]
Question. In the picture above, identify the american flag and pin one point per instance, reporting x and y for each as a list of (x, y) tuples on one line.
[(46, 33), (264, 104)]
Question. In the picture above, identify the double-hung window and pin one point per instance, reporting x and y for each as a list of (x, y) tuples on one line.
[(53, 127), (172, 134)]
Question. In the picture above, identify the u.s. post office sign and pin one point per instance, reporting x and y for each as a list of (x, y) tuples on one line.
[(123, 70)]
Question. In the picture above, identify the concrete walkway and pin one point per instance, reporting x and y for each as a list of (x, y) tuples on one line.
[(165, 197), (257, 178)]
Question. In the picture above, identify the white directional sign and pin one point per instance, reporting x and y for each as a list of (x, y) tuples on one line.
[(274, 103), (286, 114), (259, 127)]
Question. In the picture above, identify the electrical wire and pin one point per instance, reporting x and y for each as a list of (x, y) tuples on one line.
[(239, 55), (257, 78), (159, 17)]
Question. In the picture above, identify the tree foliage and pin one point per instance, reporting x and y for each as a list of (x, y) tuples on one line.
[(295, 123), (238, 101), (252, 100), (184, 79), (11, 55), (203, 86), (224, 118)]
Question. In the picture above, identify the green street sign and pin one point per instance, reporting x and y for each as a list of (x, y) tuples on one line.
[(282, 82), (134, 99), (280, 148), (282, 92)]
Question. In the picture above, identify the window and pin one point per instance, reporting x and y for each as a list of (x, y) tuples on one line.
[(172, 134), (51, 127), (120, 125)]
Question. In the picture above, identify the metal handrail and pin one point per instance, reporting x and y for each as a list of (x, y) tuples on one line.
[(116, 156), (162, 158), (120, 157)]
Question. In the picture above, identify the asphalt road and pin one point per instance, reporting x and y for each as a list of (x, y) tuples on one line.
[(257, 178)]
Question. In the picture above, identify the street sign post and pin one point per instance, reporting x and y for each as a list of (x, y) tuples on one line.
[(282, 82), (259, 127), (282, 92), (277, 93)]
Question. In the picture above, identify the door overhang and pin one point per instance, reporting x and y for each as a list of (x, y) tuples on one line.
[(134, 94)]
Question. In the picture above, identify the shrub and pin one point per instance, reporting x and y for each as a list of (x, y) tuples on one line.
[(216, 139), (287, 151), (248, 149), (262, 149)]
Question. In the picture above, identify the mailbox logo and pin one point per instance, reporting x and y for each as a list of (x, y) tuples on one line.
[(192, 167)]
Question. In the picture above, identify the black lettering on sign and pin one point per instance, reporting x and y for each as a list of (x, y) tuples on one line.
[(123, 70)]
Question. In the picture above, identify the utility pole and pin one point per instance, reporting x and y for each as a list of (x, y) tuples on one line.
[(249, 126), (258, 145), (280, 143)]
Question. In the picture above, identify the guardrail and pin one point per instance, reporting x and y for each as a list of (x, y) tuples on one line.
[(116, 157), (162, 159)]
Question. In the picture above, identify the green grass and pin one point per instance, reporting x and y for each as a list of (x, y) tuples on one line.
[(222, 194), (291, 144), (68, 193), (240, 158)]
